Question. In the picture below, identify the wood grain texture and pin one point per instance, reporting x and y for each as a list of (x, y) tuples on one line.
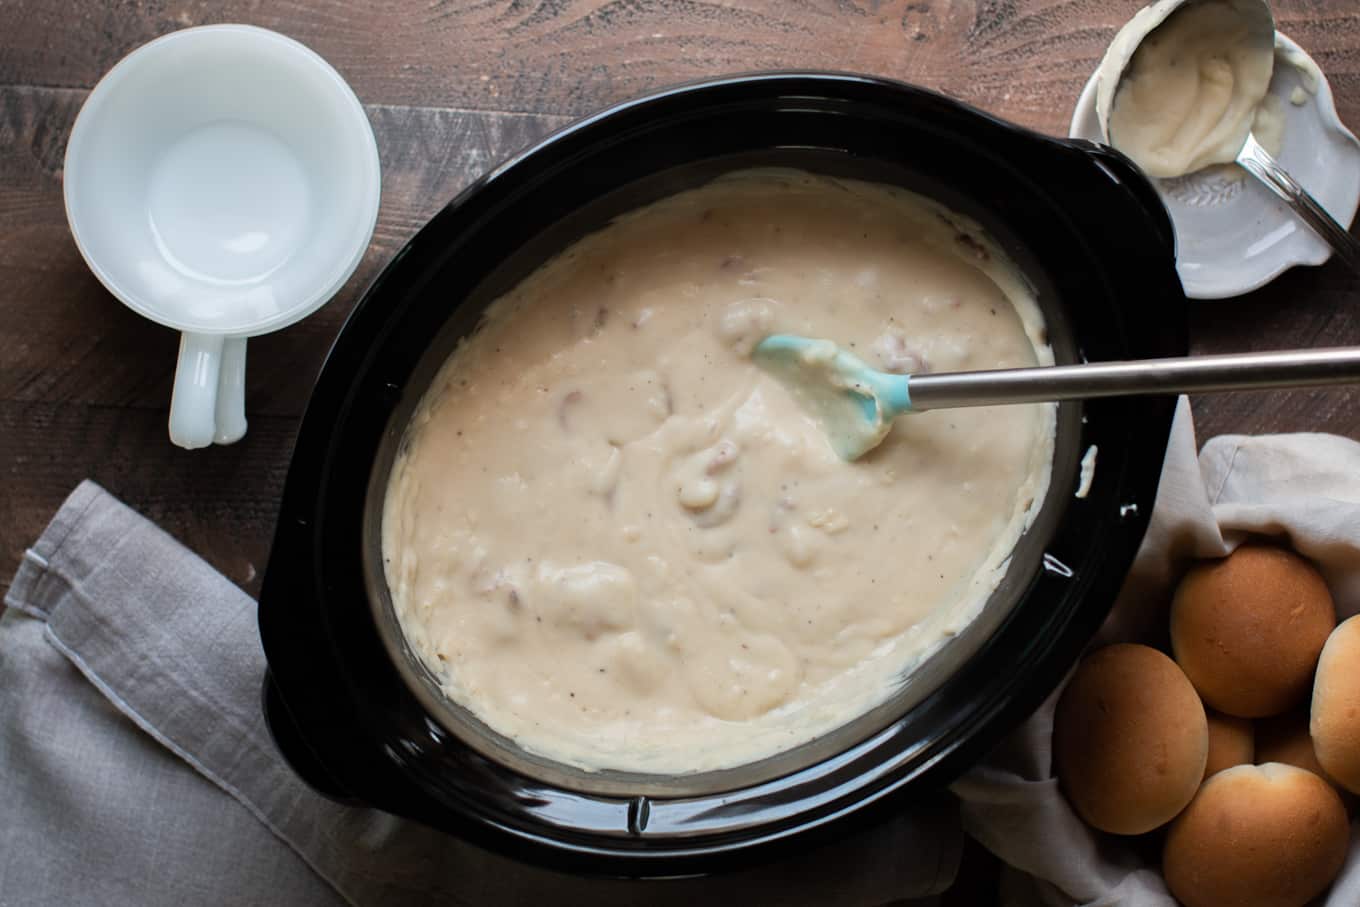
[(1024, 59), (216, 501), (453, 87), (1303, 308), (85, 383), (53, 304)]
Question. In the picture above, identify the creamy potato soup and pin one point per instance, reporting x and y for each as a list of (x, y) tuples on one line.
[(1195, 88), (618, 542)]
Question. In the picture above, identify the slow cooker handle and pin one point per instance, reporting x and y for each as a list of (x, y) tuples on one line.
[(1127, 176), (293, 746)]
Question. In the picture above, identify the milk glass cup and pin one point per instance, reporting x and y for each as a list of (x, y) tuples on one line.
[(222, 181)]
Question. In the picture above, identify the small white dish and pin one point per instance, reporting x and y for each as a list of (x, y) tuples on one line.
[(222, 181), (1232, 234)]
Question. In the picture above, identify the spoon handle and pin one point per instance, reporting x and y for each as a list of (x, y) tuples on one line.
[(1258, 162), (1191, 374)]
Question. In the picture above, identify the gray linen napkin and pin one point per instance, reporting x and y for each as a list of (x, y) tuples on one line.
[(135, 767)]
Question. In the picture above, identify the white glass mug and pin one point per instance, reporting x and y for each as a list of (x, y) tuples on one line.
[(222, 181)]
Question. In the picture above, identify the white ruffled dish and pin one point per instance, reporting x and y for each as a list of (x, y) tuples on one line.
[(1232, 234)]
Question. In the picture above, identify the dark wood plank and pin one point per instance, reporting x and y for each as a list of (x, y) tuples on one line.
[(75, 364), (1303, 308), (221, 502), (1023, 59), (85, 383), (63, 337)]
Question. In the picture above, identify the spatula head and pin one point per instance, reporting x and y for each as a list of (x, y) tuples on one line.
[(853, 403)]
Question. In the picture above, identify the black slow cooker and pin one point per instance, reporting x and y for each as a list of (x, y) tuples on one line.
[(359, 719)]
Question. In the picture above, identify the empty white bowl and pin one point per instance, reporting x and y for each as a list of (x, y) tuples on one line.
[(222, 181)]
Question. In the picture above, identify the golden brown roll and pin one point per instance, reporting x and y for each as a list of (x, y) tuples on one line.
[(1285, 738), (1257, 836), (1335, 716), (1247, 630), (1130, 739), (1231, 742)]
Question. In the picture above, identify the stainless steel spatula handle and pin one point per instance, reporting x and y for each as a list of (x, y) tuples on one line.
[(1198, 374)]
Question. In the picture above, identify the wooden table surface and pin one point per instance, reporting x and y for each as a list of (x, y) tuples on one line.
[(451, 88)]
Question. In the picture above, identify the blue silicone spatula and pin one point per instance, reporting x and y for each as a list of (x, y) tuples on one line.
[(856, 404)]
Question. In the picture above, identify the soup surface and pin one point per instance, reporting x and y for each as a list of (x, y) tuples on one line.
[(1195, 88), (617, 541)]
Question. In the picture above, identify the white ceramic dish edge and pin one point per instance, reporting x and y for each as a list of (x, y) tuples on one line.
[(1215, 217)]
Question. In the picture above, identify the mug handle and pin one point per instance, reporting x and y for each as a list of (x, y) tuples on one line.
[(229, 412), (208, 400)]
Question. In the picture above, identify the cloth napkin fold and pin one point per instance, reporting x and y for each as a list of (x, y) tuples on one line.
[(1302, 489), (136, 769)]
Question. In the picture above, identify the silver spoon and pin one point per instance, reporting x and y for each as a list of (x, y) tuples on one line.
[(856, 404), (1259, 21), (1258, 162)]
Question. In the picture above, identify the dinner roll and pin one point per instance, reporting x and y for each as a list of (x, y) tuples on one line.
[(1247, 629), (1257, 836), (1335, 718), (1285, 738), (1231, 742), (1130, 739)]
